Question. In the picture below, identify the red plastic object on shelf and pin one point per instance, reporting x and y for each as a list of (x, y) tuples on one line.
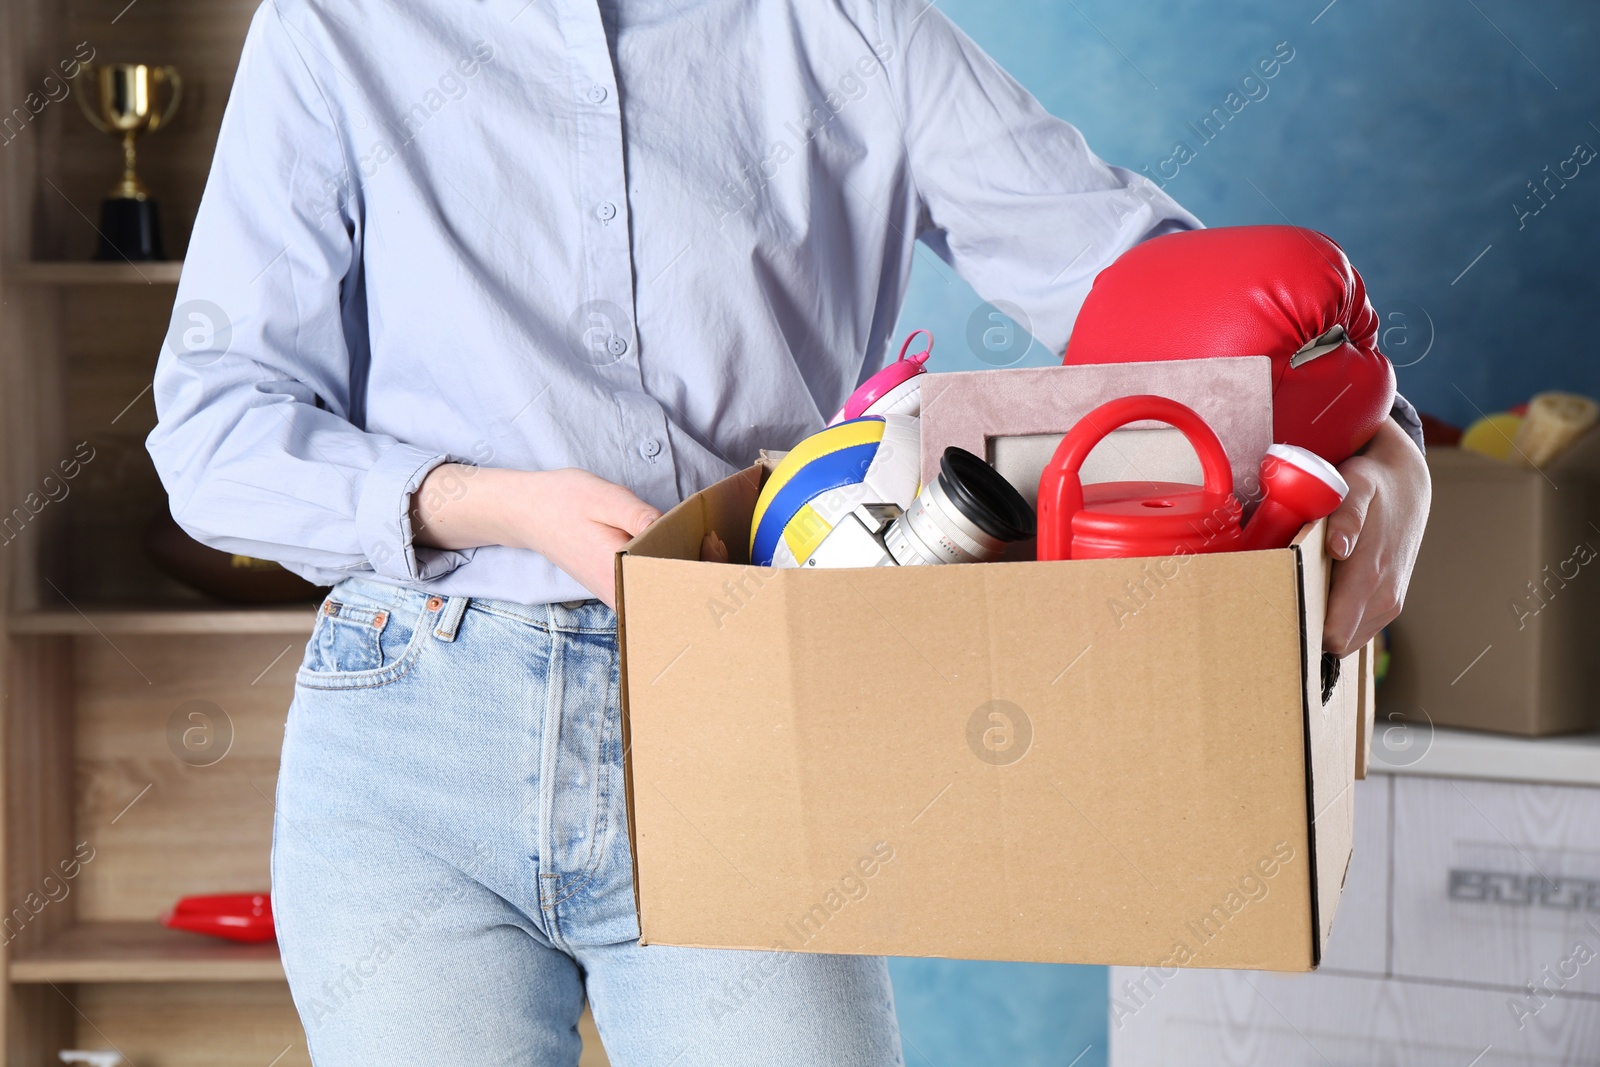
[(1121, 519), (235, 916)]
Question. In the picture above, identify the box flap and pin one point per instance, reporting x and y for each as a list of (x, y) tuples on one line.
[(1367, 698), (1580, 460), (1460, 465), (1332, 727), (725, 507), (1579, 463)]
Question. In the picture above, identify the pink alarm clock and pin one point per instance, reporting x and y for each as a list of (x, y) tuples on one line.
[(892, 391)]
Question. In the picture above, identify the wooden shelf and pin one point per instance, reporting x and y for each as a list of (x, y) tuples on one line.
[(164, 272), (205, 619), (144, 952)]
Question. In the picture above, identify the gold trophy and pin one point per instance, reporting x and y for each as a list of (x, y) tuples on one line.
[(120, 99)]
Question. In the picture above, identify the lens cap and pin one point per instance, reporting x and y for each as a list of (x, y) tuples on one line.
[(987, 499)]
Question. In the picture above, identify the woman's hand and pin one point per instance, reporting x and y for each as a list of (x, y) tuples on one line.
[(575, 519), (1374, 535)]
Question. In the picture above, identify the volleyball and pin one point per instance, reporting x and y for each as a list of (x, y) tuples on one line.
[(875, 459)]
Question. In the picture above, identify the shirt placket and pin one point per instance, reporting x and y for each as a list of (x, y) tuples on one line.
[(610, 337)]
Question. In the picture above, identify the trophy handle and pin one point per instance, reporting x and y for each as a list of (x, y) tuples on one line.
[(86, 79), (170, 76)]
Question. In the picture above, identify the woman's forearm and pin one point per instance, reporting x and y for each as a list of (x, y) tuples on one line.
[(459, 506), (576, 520)]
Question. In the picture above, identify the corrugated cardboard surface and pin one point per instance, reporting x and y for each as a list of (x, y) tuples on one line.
[(1366, 707), (1332, 730), (1500, 621), (982, 761)]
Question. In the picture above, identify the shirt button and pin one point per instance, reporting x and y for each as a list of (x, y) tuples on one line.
[(597, 94), (617, 344), (606, 211), (650, 448)]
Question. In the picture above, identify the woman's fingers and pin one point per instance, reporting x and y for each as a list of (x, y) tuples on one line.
[(1358, 588), (1374, 536), (1344, 525), (616, 505)]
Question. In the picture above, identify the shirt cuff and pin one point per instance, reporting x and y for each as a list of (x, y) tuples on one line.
[(383, 518), (1405, 413)]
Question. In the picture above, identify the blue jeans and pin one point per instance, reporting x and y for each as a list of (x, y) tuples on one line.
[(451, 874)]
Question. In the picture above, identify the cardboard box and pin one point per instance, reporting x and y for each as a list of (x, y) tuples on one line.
[(1500, 624), (988, 761)]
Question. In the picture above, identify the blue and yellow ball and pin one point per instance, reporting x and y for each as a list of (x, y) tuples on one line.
[(875, 459)]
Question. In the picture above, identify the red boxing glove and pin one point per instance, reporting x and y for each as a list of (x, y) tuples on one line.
[(1278, 291)]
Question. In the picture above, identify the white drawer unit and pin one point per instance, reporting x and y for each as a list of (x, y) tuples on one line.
[(1497, 883), (1360, 940), (1253, 1019), (1468, 934)]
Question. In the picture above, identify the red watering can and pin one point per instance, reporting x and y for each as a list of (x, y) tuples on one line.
[(1123, 519), (1119, 519)]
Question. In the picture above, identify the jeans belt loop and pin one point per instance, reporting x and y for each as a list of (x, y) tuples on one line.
[(450, 617)]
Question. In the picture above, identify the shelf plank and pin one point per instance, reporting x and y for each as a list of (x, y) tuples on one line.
[(294, 619), (144, 952), (165, 272)]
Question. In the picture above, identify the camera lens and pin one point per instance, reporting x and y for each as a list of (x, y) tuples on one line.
[(966, 515), (984, 497)]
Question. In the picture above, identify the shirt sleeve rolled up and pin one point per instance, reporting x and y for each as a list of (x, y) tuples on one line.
[(258, 386)]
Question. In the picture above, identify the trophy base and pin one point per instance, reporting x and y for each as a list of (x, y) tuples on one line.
[(130, 229)]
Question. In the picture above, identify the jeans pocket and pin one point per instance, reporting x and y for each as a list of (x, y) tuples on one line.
[(357, 643)]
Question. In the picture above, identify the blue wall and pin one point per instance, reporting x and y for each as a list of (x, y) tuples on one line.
[(1406, 132)]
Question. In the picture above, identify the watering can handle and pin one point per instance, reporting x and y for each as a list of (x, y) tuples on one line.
[(1061, 489)]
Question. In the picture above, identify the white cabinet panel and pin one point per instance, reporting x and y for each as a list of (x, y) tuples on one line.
[(1497, 884), (1360, 938), (1253, 1019)]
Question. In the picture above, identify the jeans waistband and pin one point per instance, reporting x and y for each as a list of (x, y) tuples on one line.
[(572, 615)]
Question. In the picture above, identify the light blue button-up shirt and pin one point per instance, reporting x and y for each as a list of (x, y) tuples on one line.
[(642, 237)]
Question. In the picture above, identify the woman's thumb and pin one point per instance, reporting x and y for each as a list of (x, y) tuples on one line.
[(627, 512)]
